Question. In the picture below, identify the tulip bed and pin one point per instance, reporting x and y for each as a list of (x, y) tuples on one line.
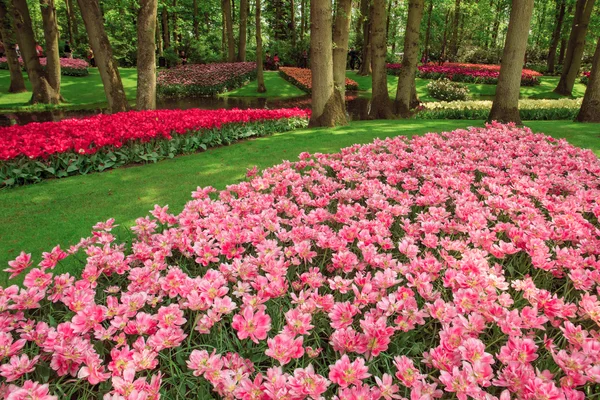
[(68, 66), (37, 151), (204, 79), (585, 77), (468, 73), (302, 78), (457, 264)]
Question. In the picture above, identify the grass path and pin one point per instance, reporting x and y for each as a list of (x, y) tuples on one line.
[(37, 217)]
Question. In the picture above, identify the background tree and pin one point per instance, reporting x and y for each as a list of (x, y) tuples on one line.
[(561, 7), (228, 30), (327, 104), (406, 78), (380, 104), (590, 107), (505, 107), (146, 55), (243, 30), (52, 50), (259, 50), (341, 28), (365, 12), (107, 66), (7, 36)]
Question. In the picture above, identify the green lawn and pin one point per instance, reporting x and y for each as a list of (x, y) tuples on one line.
[(276, 87), (79, 92), (37, 217)]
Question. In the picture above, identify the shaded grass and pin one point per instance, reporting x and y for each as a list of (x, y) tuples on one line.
[(276, 87), (37, 217)]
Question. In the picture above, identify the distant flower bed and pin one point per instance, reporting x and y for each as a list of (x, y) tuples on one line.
[(585, 78), (204, 79), (302, 78), (468, 73), (68, 66), (30, 153), (446, 90), (531, 110)]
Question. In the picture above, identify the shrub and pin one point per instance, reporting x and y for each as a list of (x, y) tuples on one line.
[(452, 265), (204, 79), (33, 152), (68, 66), (585, 78), (205, 51), (446, 90), (302, 78)]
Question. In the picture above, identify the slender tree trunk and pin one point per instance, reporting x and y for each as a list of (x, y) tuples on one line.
[(293, 22), (341, 29), (69, 19), (454, 38), (158, 35), (365, 10), (575, 48), (506, 103), (560, 16), (226, 6), (146, 55), (445, 39), (175, 27), (428, 32), (381, 107), (195, 21), (165, 27), (406, 78), (51, 38), (590, 108), (107, 66), (243, 30), (259, 50), (496, 27), (302, 19), (327, 104), (387, 21), (7, 35)]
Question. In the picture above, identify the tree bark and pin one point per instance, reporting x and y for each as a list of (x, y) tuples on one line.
[(259, 51), (506, 103), (175, 28), (146, 55), (195, 21), (327, 104), (496, 27), (381, 107), (560, 16), (454, 37), (365, 10), (243, 30), (165, 27), (226, 7), (70, 19), (590, 107), (107, 66), (293, 23), (51, 38), (341, 29), (7, 35), (158, 35), (302, 19), (428, 32), (42, 91), (575, 48), (406, 78)]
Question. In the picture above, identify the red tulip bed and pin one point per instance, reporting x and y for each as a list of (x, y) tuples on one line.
[(68, 66), (33, 152), (585, 78), (463, 264), (302, 78), (469, 73), (204, 79)]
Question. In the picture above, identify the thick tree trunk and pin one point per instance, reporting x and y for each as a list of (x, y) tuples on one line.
[(226, 6), (560, 16), (406, 79), (7, 36), (165, 28), (42, 91), (243, 30), (381, 107), (575, 48), (146, 55), (590, 108), (341, 29), (327, 104), (70, 19), (195, 21), (506, 103), (454, 37), (259, 50), (107, 66), (428, 32), (365, 10), (51, 38)]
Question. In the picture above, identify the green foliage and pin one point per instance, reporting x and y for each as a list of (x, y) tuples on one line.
[(205, 50), (446, 90), (172, 57)]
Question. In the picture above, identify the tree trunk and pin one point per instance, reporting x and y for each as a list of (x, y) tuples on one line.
[(157, 34), (42, 91), (454, 37), (7, 36), (506, 103), (387, 21), (590, 108), (575, 48), (51, 38), (243, 30), (146, 56), (259, 51), (107, 66), (175, 28), (381, 107), (365, 10), (445, 39), (293, 23), (195, 21), (428, 32), (560, 16), (70, 19), (341, 29), (226, 6), (406, 78), (327, 104), (496, 27), (165, 27), (302, 19)]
